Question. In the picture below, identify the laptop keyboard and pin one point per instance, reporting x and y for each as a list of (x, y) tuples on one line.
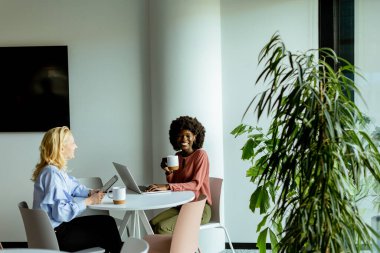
[(143, 188)]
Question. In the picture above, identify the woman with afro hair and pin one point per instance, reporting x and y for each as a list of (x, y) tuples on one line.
[(186, 135)]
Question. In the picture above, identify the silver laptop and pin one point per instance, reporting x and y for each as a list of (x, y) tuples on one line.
[(130, 182)]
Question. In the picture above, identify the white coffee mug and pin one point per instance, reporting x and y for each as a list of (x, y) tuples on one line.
[(118, 194), (172, 162)]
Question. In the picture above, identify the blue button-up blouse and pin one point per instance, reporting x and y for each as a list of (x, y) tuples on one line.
[(54, 192)]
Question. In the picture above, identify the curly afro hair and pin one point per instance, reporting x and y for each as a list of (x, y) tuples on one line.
[(187, 123)]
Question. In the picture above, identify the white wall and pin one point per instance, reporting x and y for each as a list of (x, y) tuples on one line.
[(109, 92), (246, 27)]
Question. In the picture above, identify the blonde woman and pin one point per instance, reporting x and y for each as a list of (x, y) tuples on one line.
[(54, 192)]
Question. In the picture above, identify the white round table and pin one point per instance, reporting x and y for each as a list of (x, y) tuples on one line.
[(137, 203)]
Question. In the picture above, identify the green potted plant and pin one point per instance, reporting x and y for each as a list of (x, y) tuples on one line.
[(309, 162)]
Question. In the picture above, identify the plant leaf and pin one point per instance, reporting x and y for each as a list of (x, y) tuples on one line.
[(262, 240)]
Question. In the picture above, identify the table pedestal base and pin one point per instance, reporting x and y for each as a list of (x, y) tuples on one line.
[(134, 218)]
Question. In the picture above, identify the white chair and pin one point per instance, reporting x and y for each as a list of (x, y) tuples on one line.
[(92, 183), (135, 245), (216, 190), (39, 232), (186, 231)]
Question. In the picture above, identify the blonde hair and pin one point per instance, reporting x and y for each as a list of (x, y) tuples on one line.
[(50, 150)]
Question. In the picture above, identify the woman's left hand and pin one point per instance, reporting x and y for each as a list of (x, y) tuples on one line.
[(158, 187), (95, 198)]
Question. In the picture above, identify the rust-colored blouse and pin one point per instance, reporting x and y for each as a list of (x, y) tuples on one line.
[(192, 175)]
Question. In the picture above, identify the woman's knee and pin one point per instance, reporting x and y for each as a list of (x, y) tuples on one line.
[(164, 216)]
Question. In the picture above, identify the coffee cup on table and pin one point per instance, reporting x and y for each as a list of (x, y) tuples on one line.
[(172, 162), (117, 194)]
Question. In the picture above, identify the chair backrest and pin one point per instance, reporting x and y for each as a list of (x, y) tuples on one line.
[(216, 190), (135, 245), (39, 232), (93, 183), (186, 230)]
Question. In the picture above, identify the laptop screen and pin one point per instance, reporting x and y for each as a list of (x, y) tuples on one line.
[(126, 176), (130, 182)]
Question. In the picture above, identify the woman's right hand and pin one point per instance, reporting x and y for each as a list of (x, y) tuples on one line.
[(165, 167), (95, 198), (164, 163)]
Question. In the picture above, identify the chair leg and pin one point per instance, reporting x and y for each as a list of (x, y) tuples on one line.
[(228, 237)]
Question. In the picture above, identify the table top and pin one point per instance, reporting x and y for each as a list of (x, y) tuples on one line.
[(135, 201)]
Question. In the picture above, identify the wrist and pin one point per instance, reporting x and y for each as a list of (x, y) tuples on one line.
[(167, 187), (168, 172)]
